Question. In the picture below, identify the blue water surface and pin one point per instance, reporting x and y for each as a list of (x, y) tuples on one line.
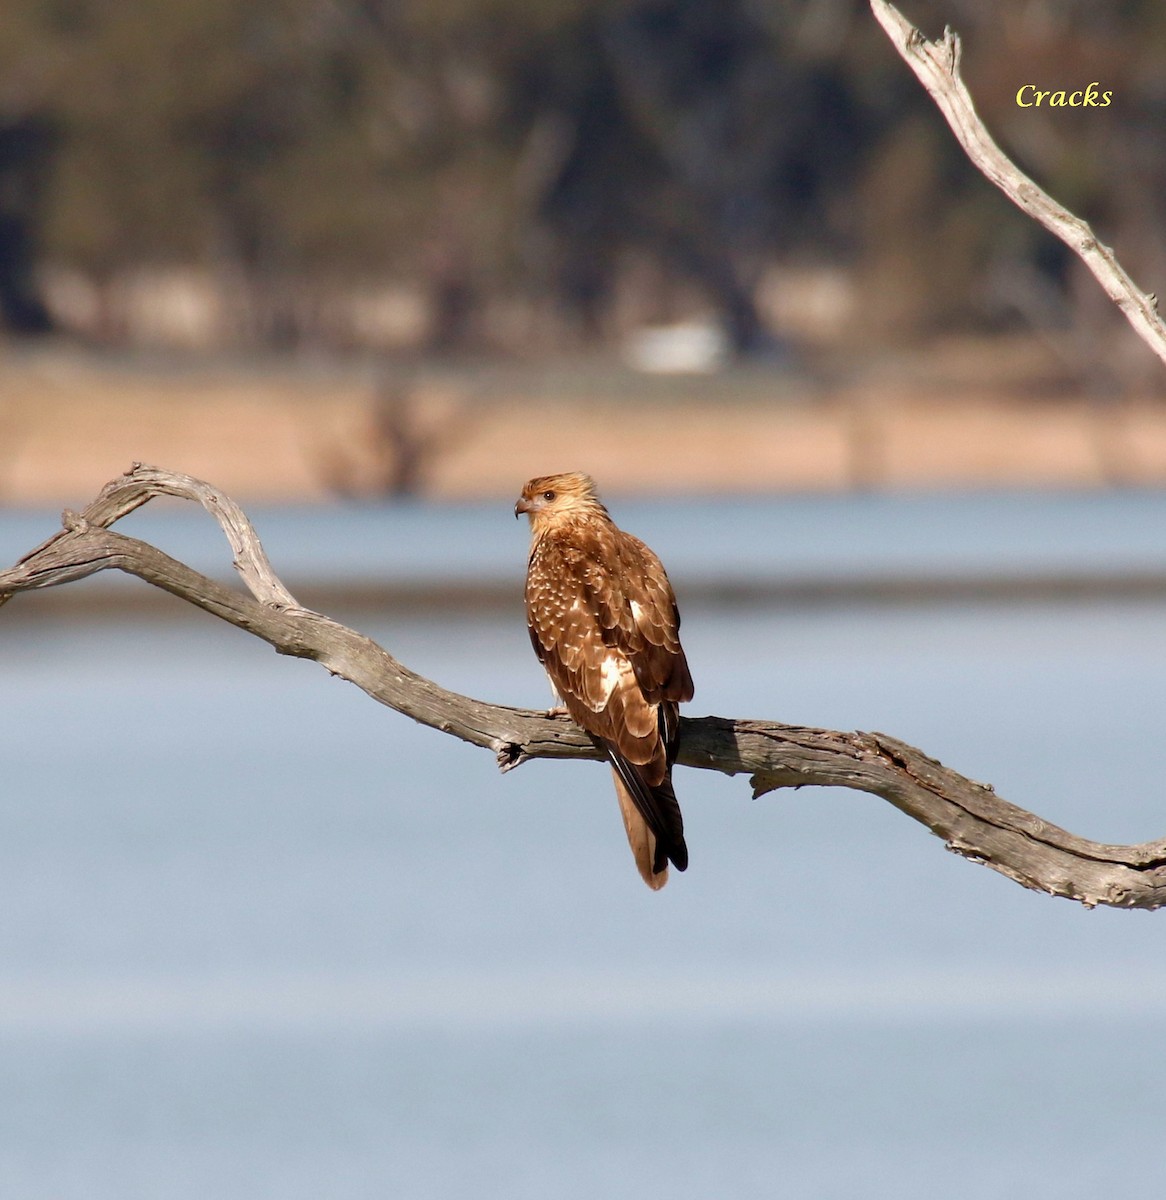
[(260, 937)]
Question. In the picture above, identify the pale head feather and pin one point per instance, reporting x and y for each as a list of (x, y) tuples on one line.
[(550, 499)]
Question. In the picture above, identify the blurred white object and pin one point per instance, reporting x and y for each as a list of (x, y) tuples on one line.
[(691, 347)]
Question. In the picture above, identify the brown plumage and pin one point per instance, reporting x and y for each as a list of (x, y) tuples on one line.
[(603, 622)]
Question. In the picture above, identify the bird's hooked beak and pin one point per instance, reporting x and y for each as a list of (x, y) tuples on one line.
[(523, 506)]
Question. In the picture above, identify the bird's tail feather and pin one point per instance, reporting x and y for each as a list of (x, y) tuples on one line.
[(641, 839)]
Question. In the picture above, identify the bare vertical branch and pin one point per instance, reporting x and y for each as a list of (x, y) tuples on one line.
[(937, 66)]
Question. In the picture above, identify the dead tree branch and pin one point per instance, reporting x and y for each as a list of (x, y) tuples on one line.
[(937, 66), (970, 817)]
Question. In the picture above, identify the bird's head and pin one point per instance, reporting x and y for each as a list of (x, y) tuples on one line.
[(549, 498)]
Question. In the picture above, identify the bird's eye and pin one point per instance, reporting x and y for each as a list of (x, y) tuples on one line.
[(548, 495)]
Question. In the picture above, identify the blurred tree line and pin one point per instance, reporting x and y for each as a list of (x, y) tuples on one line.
[(562, 158)]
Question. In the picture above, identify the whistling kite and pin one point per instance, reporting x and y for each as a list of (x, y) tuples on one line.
[(603, 622)]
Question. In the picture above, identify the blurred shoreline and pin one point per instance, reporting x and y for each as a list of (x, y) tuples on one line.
[(357, 601), (857, 551), (960, 413)]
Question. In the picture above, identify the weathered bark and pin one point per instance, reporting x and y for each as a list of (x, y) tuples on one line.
[(969, 816), (937, 66)]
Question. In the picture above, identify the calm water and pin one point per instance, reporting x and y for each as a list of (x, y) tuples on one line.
[(262, 938)]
